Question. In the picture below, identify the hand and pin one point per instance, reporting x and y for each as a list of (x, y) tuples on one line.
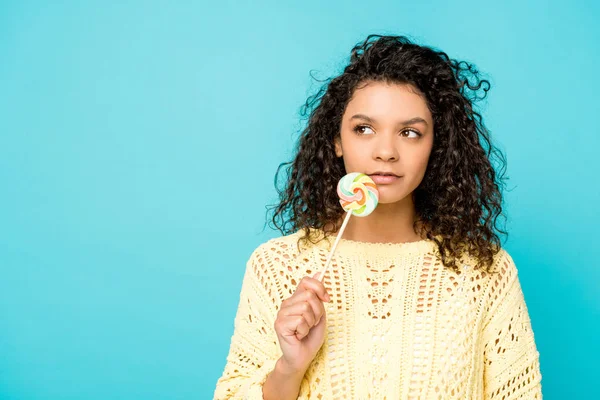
[(301, 323)]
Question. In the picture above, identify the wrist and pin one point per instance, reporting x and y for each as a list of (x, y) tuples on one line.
[(283, 382), (284, 369)]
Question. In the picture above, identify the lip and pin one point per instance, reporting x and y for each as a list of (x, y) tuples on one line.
[(384, 173), (384, 178)]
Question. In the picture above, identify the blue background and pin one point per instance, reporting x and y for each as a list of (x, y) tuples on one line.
[(138, 146)]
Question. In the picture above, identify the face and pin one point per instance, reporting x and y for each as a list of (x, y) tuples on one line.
[(387, 133)]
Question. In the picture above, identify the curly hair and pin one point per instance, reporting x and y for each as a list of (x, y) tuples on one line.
[(458, 201)]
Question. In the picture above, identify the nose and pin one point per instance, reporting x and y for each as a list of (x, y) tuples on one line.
[(385, 148)]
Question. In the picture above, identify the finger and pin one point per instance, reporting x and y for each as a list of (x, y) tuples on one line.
[(307, 296), (304, 309), (286, 325), (316, 304), (314, 285), (292, 326), (302, 330)]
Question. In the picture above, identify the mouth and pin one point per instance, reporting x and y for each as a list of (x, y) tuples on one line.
[(384, 178), (381, 173)]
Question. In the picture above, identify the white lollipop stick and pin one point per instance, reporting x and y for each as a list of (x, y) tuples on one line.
[(358, 195), (337, 240)]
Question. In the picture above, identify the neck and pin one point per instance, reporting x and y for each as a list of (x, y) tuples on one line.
[(389, 223)]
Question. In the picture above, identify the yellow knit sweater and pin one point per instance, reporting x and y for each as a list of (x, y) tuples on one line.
[(399, 325)]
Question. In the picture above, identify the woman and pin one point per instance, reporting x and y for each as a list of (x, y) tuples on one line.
[(420, 301)]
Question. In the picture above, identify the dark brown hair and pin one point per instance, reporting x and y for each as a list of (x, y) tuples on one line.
[(459, 200)]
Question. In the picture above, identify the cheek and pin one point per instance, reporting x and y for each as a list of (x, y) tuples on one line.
[(354, 152), (422, 162), (417, 165), (420, 157)]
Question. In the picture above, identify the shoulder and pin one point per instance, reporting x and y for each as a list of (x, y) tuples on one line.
[(494, 282), (281, 253), (502, 286), (283, 246), (504, 268), (502, 265), (279, 264)]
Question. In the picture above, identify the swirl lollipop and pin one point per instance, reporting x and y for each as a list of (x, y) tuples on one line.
[(358, 193), (359, 196)]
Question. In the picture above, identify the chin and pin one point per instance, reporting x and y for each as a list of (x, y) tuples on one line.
[(391, 199), (391, 195)]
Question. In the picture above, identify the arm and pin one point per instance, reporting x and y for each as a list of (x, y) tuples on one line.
[(282, 384), (512, 368), (254, 352)]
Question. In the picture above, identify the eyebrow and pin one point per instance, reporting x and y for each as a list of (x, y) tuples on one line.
[(407, 122)]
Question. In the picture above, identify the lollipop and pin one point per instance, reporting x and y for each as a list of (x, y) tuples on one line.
[(359, 196), (358, 193)]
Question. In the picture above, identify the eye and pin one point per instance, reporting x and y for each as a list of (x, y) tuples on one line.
[(413, 131), (359, 129)]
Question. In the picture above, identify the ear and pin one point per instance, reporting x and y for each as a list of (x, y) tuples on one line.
[(338, 146)]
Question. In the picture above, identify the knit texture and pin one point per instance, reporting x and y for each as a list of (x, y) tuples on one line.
[(399, 324)]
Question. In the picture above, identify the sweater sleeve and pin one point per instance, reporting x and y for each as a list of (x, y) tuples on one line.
[(253, 350), (512, 368)]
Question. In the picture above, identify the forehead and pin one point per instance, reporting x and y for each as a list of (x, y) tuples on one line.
[(388, 100)]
